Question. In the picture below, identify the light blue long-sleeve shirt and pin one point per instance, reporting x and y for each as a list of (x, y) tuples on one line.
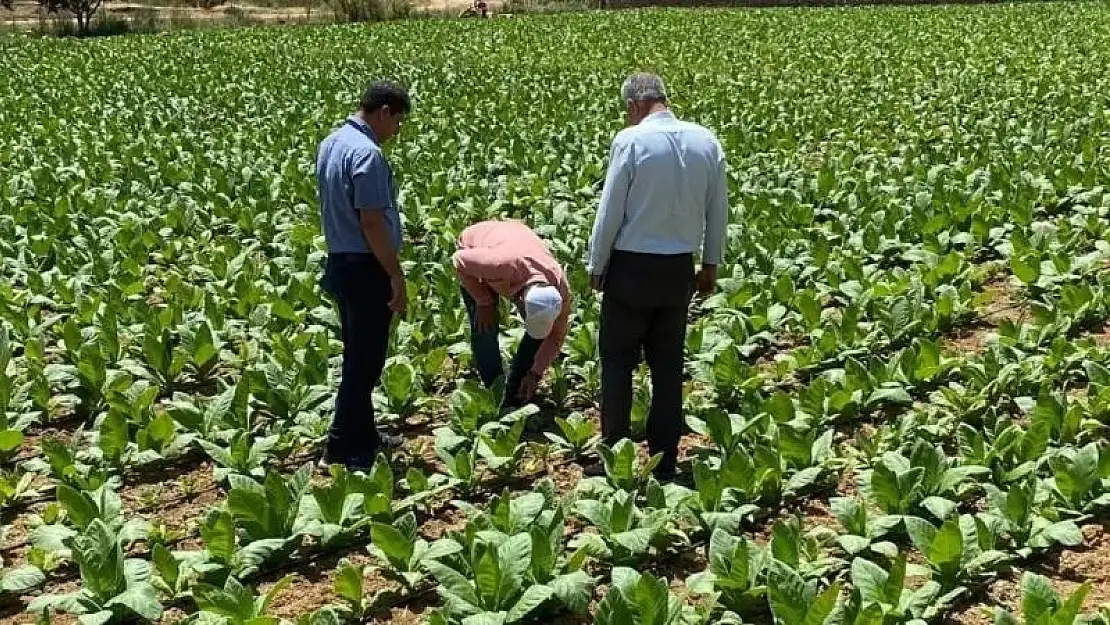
[(666, 192)]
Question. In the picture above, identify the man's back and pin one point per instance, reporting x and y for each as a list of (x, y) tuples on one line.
[(675, 171), (515, 248), (350, 170), (501, 233)]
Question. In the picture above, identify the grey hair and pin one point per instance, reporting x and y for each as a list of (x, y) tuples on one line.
[(643, 87)]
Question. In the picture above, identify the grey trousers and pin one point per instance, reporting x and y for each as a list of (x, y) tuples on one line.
[(643, 315)]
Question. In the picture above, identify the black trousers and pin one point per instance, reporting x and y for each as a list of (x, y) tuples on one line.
[(360, 287), (643, 314)]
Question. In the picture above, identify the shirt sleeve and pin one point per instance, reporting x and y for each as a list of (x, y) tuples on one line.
[(549, 349), (370, 182), (716, 218), (477, 266), (610, 214)]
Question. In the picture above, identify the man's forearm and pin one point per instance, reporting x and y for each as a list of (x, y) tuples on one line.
[(716, 220), (377, 238)]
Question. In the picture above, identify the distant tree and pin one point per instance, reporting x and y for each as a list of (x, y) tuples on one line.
[(82, 10), (7, 4)]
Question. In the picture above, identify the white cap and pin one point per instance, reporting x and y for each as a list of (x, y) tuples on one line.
[(542, 305)]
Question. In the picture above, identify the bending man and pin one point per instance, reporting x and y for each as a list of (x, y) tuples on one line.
[(506, 259)]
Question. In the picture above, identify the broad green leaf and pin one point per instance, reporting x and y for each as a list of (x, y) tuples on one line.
[(349, 583), (96, 618), (10, 440), (396, 546), (636, 541), (821, 609), (80, 507), (22, 579), (218, 533), (790, 602), (532, 598), (1026, 271), (487, 618), (870, 579), (441, 549), (1065, 532), (169, 569), (453, 582), (141, 599), (1037, 597), (573, 590), (947, 546)]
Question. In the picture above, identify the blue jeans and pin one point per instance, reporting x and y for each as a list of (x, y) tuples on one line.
[(487, 355)]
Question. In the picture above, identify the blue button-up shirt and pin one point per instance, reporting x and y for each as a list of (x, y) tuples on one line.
[(353, 175), (666, 192)]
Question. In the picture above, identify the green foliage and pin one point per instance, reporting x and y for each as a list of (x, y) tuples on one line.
[(915, 261), (493, 584), (234, 603), (404, 555), (114, 589), (961, 549), (737, 574), (797, 602), (268, 509), (626, 533), (1042, 605), (576, 433), (638, 599)]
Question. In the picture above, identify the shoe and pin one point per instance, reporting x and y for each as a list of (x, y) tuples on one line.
[(353, 464), (664, 476), (359, 465), (390, 441), (328, 458), (594, 469), (666, 470)]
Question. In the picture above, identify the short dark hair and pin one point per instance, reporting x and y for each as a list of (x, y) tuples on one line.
[(384, 93)]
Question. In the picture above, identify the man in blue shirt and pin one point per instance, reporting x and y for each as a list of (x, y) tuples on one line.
[(362, 226), (665, 198)]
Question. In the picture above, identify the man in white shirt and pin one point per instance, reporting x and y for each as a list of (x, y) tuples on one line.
[(665, 199)]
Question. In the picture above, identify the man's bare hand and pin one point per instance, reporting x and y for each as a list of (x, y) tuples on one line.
[(486, 318), (707, 279), (400, 295), (597, 282)]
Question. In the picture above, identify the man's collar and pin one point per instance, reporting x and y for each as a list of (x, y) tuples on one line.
[(660, 115), (364, 127)]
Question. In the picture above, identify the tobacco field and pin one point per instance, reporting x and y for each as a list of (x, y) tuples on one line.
[(898, 400)]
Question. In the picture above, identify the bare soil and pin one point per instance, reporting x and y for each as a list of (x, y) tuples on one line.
[(26, 13), (178, 502), (1003, 302), (998, 302), (1100, 335), (816, 514), (1067, 569)]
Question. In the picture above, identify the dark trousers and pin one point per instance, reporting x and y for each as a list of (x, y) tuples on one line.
[(360, 287), (487, 355), (643, 314)]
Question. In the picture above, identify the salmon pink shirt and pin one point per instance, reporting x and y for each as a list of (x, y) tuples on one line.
[(500, 258)]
